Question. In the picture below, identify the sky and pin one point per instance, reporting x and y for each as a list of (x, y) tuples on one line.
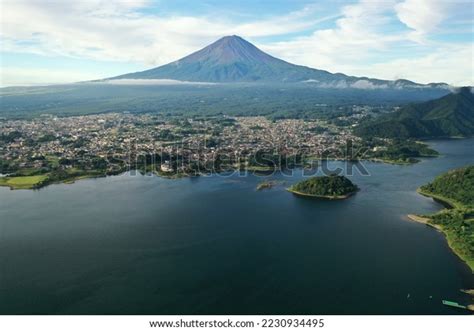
[(58, 41)]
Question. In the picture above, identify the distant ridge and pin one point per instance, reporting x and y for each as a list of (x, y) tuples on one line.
[(233, 59), (448, 116)]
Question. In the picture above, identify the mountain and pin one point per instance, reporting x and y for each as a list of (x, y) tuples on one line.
[(448, 116), (233, 59), (254, 83)]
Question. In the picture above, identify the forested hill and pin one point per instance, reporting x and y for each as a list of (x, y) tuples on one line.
[(448, 116), (325, 186), (456, 185)]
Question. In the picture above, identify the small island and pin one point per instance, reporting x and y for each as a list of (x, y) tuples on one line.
[(331, 187), (455, 190), (267, 184)]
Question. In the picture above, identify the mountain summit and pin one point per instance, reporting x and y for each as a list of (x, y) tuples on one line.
[(233, 59), (230, 50), (229, 59)]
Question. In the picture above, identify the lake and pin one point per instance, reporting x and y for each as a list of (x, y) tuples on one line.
[(134, 244)]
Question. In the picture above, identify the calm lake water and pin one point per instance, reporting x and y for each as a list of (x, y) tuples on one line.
[(214, 245)]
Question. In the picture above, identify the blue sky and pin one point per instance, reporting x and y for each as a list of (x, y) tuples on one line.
[(64, 41)]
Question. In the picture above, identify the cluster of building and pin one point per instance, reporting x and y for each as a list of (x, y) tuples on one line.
[(175, 142)]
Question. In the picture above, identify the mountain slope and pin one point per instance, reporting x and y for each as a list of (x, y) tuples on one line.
[(233, 59), (230, 59), (243, 99), (448, 116)]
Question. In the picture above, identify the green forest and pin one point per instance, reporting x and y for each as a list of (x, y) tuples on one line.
[(457, 185), (455, 188), (399, 151), (271, 100), (325, 186), (449, 116)]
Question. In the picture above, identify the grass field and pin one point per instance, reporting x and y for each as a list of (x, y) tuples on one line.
[(23, 182)]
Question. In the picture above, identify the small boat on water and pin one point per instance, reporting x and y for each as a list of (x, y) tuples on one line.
[(453, 304)]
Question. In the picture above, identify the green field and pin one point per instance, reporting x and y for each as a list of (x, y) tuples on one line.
[(22, 182), (33, 178)]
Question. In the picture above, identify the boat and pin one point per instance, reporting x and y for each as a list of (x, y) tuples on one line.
[(453, 304)]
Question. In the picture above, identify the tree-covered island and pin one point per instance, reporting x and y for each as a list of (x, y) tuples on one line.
[(454, 189), (331, 187)]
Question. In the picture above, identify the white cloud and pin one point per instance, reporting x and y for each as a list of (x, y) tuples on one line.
[(426, 16), (366, 85), (422, 15), (453, 64), (361, 42), (17, 76), (162, 82), (355, 39), (359, 45), (114, 30)]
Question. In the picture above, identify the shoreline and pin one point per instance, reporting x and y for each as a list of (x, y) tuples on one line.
[(392, 162), (177, 175), (425, 221), (440, 199), (325, 197), (42, 184)]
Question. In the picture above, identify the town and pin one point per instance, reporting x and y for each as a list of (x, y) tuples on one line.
[(94, 141), (51, 149)]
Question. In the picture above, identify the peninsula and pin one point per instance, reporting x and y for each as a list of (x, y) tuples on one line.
[(455, 190), (331, 187)]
